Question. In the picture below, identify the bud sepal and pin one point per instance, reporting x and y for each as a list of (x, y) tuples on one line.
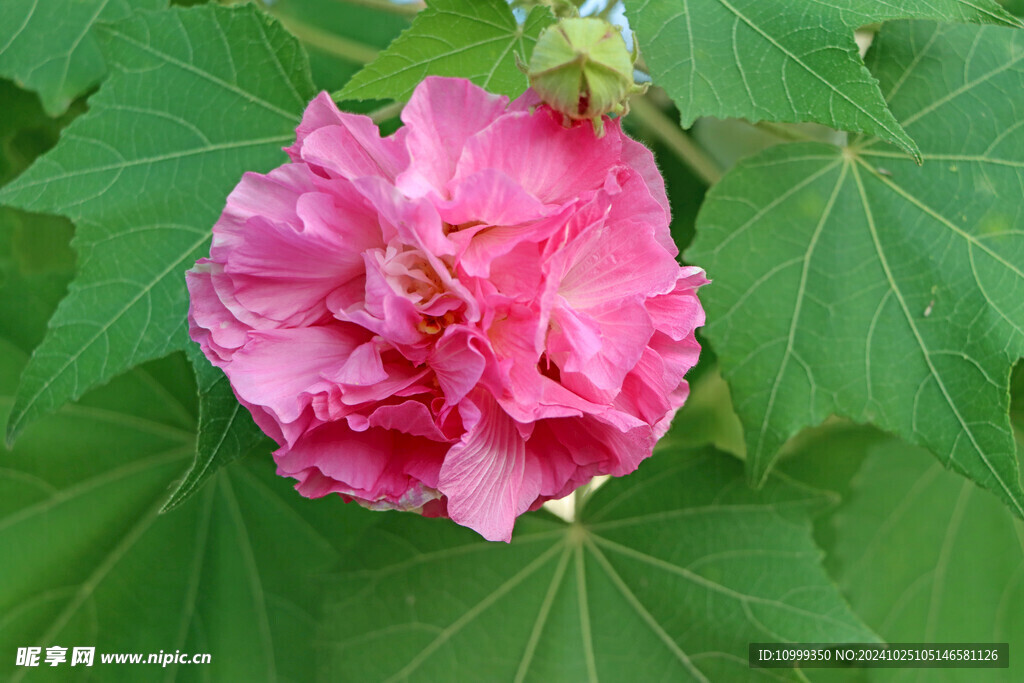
[(582, 69)]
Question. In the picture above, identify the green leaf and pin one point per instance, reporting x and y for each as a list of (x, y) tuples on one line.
[(1015, 6), (231, 572), (226, 429), (668, 576), (853, 282), (25, 131), (775, 61), (707, 417), (48, 46), (474, 39), (90, 562), (196, 97), (924, 556), (340, 37), (36, 265)]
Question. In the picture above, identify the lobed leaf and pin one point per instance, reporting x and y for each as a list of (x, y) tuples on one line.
[(474, 39), (787, 62), (25, 131), (226, 430), (195, 98), (232, 572), (924, 556), (667, 576), (49, 47), (853, 282)]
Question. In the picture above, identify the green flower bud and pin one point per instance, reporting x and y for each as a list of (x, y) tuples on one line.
[(581, 68)]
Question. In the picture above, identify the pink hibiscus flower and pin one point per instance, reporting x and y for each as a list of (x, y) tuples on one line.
[(470, 317)]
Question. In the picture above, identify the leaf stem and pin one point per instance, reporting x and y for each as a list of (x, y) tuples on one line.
[(406, 8), (660, 125), (386, 112), (783, 132), (606, 12), (579, 499), (339, 46)]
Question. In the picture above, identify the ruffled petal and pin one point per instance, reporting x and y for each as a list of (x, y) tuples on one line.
[(492, 198), (550, 162), (599, 346), (363, 367), (346, 145), (459, 360), (440, 116), (640, 161), (374, 467), (280, 369), (484, 476), (678, 313), (271, 196), (609, 262), (602, 448), (211, 324), (481, 247), (409, 417)]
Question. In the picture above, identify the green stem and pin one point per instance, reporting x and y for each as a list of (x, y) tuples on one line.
[(668, 131), (609, 7), (386, 112), (408, 9), (579, 499), (783, 132), (349, 50)]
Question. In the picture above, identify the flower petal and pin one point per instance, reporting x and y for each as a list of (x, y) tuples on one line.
[(599, 346), (491, 197), (484, 476), (375, 466), (346, 145), (459, 360), (440, 116), (610, 262), (550, 162), (409, 417), (678, 313), (280, 369), (211, 324), (640, 161)]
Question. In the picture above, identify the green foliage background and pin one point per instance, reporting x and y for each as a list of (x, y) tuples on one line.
[(854, 291)]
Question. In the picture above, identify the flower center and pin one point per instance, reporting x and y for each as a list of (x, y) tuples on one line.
[(449, 228), (414, 276), (435, 324)]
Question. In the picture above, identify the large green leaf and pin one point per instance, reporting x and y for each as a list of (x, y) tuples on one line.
[(669, 574), (231, 572), (1015, 6), (89, 562), (790, 61), (25, 131), (47, 45), (924, 556), (226, 430), (196, 97), (474, 39), (853, 282)]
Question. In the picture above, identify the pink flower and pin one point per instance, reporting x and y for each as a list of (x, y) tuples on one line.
[(474, 315)]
